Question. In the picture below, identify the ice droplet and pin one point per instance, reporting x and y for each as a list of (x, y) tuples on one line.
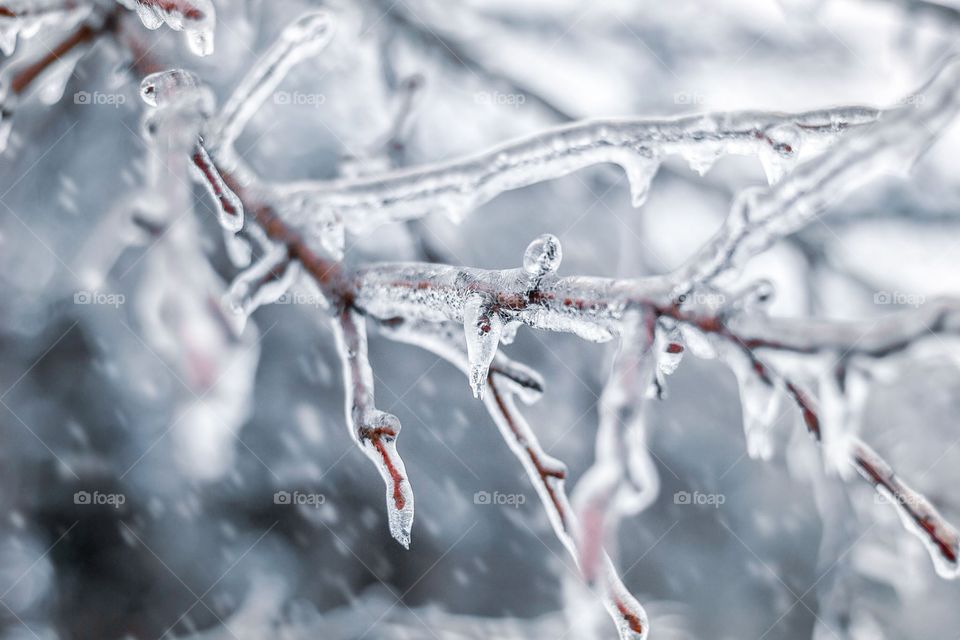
[(483, 328), (543, 256), (781, 154), (165, 87), (200, 41)]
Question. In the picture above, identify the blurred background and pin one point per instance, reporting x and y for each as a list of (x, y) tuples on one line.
[(142, 446)]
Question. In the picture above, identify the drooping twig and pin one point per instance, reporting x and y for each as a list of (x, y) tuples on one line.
[(374, 431)]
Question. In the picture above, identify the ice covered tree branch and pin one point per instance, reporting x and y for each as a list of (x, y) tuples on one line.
[(638, 145), (759, 217), (508, 381), (655, 318), (374, 431)]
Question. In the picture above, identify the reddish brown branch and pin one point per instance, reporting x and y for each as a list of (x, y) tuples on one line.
[(549, 480), (84, 34), (186, 9)]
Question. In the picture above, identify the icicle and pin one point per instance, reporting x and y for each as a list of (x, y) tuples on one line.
[(7, 101), (782, 153), (9, 28), (843, 394), (640, 173), (25, 18), (483, 327), (57, 76), (196, 18), (760, 401), (701, 157), (510, 332), (228, 204), (263, 283), (699, 343)]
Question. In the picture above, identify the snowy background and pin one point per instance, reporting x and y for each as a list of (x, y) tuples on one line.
[(114, 380)]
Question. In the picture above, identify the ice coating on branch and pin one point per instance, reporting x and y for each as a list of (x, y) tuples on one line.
[(323, 229), (228, 206), (374, 431), (759, 217), (25, 18), (622, 480), (196, 18), (917, 514), (509, 380), (307, 36), (482, 326), (456, 187), (262, 283)]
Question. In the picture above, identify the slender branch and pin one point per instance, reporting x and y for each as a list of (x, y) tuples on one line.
[(374, 431), (637, 145), (507, 380)]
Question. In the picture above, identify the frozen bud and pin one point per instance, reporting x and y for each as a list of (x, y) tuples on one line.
[(315, 27), (163, 87), (543, 255)]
